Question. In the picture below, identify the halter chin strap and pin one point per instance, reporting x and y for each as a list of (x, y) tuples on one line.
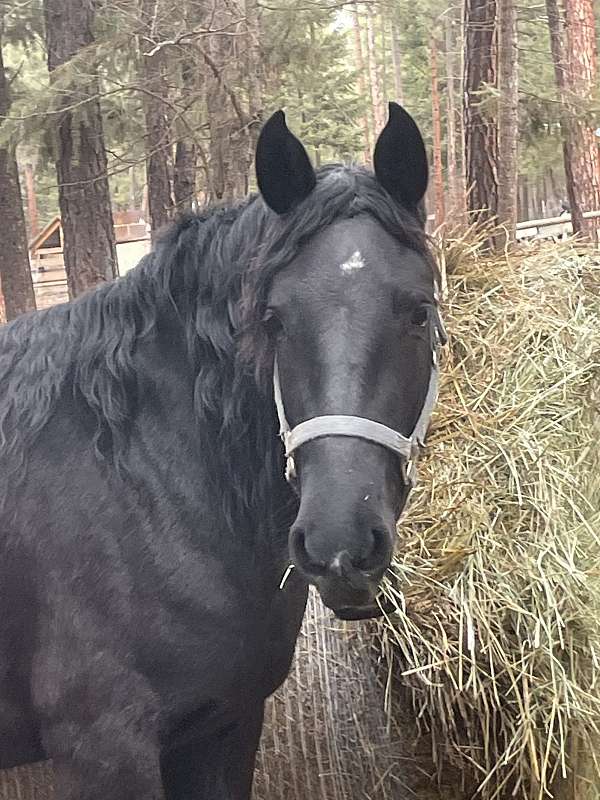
[(407, 448)]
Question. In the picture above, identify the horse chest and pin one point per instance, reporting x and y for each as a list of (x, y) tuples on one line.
[(218, 663)]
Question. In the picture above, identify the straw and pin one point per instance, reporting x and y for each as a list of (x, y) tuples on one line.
[(497, 578)]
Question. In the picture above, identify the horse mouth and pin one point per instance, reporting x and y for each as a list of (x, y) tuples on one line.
[(371, 611)]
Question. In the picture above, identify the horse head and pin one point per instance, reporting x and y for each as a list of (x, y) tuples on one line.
[(353, 325)]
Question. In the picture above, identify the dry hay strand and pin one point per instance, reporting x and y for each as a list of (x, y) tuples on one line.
[(497, 577), (30, 782)]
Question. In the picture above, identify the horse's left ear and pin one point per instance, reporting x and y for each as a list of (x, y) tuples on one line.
[(400, 158), (283, 170)]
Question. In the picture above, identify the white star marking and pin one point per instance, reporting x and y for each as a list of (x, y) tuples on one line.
[(355, 262)]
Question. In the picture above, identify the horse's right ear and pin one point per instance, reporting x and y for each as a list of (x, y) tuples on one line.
[(283, 170)]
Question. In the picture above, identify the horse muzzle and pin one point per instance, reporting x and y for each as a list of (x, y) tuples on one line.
[(348, 603), (380, 608)]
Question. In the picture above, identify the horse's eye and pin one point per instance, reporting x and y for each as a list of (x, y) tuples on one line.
[(272, 323), (420, 315)]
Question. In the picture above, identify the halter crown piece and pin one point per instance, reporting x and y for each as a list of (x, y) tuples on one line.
[(407, 449)]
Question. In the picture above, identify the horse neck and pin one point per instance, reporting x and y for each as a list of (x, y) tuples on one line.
[(233, 421)]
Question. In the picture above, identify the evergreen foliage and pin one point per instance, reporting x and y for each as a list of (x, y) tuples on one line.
[(307, 64)]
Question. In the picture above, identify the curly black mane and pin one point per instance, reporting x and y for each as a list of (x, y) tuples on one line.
[(210, 274)]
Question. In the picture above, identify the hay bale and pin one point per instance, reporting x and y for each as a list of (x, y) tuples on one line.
[(31, 782), (496, 581)]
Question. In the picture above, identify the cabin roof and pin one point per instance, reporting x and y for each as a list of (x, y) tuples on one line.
[(129, 226), (44, 234)]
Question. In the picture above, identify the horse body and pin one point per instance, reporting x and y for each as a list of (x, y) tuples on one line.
[(125, 601), (145, 520)]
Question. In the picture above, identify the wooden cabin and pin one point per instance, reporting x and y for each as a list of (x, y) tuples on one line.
[(47, 262)]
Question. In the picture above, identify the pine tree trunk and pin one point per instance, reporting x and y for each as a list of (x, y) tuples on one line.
[(460, 115), (228, 120), (255, 83), (362, 86), (220, 140), (397, 63), (221, 131), (374, 73), (533, 193), (508, 122), (254, 73), (454, 190), (556, 194), (32, 209), (15, 274), (568, 128), (582, 66), (481, 149), (384, 56), (88, 233), (184, 174), (184, 171), (545, 196), (438, 178), (133, 188), (157, 133), (526, 200)]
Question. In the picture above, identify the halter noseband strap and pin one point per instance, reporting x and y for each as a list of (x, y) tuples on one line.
[(407, 448)]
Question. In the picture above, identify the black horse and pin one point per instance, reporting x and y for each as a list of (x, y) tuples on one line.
[(146, 524)]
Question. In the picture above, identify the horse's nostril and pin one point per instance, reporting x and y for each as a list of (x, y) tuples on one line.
[(300, 555), (379, 553)]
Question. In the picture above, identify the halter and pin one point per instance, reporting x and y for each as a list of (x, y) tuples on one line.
[(406, 448)]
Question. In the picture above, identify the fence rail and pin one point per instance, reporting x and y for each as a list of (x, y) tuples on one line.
[(540, 228)]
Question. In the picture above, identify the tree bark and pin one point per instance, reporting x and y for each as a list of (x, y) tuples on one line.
[(254, 72), (157, 133), (397, 63), (384, 56), (221, 127), (526, 200), (88, 233), (533, 193), (32, 209), (454, 185), (184, 172), (582, 65), (15, 273), (460, 116), (556, 193), (438, 178), (508, 122), (255, 79), (481, 147), (569, 128), (362, 86), (379, 115)]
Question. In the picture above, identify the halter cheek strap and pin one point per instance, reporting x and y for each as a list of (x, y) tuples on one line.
[(407, 448)]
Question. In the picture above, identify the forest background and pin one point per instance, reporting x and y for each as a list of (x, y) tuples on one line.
[(155, 106)]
